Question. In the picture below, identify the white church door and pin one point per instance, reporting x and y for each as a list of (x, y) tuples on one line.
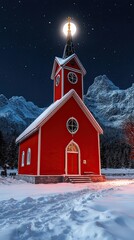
[(72, 161)]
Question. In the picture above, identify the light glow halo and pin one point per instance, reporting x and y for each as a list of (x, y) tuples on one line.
[(72, 28)]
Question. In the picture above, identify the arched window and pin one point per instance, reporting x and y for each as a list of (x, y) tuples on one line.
[(22, 158), (72, 147), (28, 156), (57, 80)]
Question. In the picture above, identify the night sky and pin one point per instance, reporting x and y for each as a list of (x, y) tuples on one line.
[(31, 37)]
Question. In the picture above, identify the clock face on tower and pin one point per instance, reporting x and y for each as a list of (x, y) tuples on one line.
[(72, 77)]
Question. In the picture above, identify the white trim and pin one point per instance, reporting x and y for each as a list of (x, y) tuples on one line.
[(39, 151), (79, 159), (63, 62), (19, 158), (52, 109), (62, 74), (72, 69), (82, 86), (58, 70), (99, 154)]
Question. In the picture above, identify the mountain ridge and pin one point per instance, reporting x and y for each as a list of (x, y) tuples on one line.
[(110, 105)]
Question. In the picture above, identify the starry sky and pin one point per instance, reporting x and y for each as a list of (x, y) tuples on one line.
[(31, 36)]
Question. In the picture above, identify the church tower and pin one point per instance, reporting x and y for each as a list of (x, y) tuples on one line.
[(68, 71)]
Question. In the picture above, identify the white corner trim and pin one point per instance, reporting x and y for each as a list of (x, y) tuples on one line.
[(39, 150), (62, 82), (72, 69)]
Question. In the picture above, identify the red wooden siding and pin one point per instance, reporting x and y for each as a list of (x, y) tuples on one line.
[(68, 86), (55, 137), (31, 142), (56, 68), (73, 64)]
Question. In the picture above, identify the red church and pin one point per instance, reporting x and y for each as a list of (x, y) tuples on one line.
[(63, 143)]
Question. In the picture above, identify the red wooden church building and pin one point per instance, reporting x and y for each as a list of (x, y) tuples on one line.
[(63, 143)]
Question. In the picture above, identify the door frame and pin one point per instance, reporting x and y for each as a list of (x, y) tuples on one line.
[(66, 159)]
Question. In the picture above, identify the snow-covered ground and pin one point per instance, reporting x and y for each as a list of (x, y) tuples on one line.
[(67, 211)]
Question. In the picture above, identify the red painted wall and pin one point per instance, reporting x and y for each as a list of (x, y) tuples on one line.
[(68, 86), (55, 137), (31, 142), (73, 64), (57, 66), (58, 89)]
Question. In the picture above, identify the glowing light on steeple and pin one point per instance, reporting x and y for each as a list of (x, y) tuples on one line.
[(69, 28)]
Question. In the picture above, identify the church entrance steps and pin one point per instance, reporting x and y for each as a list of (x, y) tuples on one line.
[(78, 179)]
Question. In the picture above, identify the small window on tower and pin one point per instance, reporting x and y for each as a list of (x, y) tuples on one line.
[(57, 80), (72, 77)]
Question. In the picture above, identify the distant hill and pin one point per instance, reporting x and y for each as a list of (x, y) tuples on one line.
[(16, 114)]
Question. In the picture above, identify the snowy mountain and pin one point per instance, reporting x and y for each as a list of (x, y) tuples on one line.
[(16, 114), (110, 105)]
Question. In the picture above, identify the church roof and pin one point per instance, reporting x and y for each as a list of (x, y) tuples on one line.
[(64, 61), (52, 109)]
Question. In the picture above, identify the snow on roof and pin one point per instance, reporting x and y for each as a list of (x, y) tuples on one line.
[(48, 113), (62, 61)]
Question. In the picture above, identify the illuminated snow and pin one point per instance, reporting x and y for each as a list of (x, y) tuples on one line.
[(66, 211)]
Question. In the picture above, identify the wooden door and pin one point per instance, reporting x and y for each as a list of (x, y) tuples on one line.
[(72, 160)]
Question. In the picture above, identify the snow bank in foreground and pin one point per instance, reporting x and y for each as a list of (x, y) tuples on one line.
[(66, 211)]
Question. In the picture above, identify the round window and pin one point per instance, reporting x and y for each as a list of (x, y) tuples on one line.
[(57, 80), (72, 125), (72, 77)]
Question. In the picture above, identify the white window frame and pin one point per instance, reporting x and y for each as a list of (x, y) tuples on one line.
[(75, 76), (23, 159), (72, 118), (28, 156)]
